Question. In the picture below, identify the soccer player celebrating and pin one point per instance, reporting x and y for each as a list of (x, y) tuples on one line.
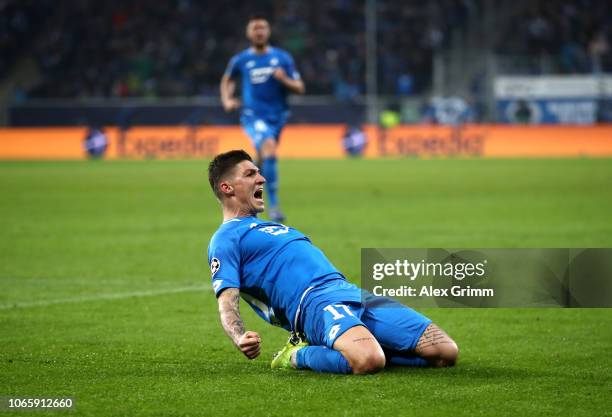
[(267, 74), (336, 327)]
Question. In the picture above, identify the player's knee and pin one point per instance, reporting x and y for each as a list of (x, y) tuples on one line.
[(448, 353), (268, 149), (368, 363)]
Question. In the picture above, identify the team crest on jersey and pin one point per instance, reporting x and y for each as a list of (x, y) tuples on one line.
[(215, 264), (250, 64), (274, 61)]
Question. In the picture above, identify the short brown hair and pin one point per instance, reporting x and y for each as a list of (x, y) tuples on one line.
[(258, 16), (221, 165)]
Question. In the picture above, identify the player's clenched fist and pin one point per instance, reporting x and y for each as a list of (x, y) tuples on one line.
[(280, 74), (231, 104), (249, 344)]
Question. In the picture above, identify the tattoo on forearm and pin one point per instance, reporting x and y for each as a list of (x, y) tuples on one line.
[(432, 336), (361, 339), (237, 327), (229, 311)]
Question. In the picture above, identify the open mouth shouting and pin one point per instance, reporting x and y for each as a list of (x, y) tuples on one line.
[(258, 194)]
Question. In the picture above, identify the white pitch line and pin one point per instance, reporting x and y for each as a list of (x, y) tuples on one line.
[(116, 296)]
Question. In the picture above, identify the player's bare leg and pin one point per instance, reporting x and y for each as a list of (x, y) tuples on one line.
[(268, 148), (437, 347), (361, 349), (267, 154)]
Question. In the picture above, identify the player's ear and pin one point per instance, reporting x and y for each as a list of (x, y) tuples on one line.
[(226, 188)]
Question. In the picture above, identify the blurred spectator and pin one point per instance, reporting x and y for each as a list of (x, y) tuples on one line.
[(405, 85), (599, 49)]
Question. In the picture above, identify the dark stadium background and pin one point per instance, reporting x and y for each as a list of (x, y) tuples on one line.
[(93, 58)]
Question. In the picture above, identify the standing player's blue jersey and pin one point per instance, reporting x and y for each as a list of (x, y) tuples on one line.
[(262, 95), (273, 265)]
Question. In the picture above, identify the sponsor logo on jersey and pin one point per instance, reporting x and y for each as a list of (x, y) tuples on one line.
[(275, 230), (260, 75)]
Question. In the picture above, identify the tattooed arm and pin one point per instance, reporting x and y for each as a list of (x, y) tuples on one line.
[(229, 311)]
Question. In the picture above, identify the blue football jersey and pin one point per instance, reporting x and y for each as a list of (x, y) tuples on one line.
[(273, 265), (262, 94)]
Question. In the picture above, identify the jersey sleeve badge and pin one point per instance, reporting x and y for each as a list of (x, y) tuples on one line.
[(215, 265)]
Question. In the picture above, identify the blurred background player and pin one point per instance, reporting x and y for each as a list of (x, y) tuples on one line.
[(267, 74)]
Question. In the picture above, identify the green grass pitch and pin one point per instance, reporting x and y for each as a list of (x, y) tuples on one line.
[(105, 294)]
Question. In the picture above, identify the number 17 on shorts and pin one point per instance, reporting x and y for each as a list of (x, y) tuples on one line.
[(338, 318)]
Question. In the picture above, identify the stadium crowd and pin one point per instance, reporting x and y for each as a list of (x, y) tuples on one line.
[(574, 35), (181, 47), (20, 22), (137, 48)]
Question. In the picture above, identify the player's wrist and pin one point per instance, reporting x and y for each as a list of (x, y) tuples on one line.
[(238, 338)]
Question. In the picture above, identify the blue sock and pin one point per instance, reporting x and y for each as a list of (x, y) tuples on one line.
[(270, 171), (322, 359), (405, 359)]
